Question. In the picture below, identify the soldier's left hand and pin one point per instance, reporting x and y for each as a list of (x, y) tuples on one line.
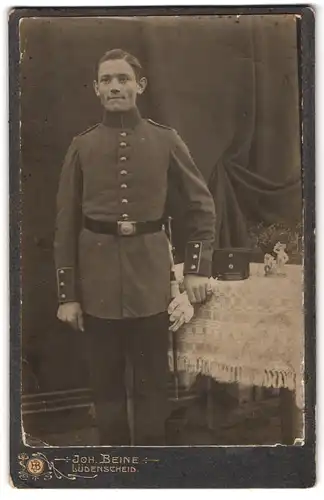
[(197, 288)]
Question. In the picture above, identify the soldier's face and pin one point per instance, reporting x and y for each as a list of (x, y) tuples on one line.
[(117, 86)]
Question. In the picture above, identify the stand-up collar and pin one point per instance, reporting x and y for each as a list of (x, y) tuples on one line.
[(122, 119)]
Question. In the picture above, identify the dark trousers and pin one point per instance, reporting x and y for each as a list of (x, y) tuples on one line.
[(144, 341)]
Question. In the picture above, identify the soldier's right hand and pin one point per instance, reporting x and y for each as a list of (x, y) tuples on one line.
[(71, 313)]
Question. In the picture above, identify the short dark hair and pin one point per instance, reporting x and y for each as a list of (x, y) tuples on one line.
[(122, 54)]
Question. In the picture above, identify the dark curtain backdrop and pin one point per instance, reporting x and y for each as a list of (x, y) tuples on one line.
[(227, 84)]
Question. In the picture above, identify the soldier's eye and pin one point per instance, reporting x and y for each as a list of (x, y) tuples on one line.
[(123, 79)]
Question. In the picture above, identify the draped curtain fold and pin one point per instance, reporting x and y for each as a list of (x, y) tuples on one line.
[(250, 183), (233, 95)]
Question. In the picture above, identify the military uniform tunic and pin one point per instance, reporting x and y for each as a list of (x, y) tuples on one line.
[(121, 170)]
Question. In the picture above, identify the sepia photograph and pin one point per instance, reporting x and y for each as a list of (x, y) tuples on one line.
[(162, 236)]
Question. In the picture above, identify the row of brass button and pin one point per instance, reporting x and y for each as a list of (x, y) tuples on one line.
[(195, 256), (123, 172), (63, 296)]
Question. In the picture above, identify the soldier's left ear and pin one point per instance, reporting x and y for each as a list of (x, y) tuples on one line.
[(141, 85)]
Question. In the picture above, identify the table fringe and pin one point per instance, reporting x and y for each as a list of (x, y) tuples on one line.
[(276, 379)]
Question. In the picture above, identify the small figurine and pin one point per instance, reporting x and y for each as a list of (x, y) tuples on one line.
[(269, 264), (282, 257)]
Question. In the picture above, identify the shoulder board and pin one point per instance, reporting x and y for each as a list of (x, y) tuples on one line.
[(158, 124), (89, 129)]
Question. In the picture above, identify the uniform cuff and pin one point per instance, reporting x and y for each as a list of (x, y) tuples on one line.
[(198, 258), (66, 284)]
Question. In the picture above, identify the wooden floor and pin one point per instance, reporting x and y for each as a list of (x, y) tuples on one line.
[(233, 423)]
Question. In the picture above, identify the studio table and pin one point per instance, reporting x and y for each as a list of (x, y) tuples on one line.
[(249, 332)]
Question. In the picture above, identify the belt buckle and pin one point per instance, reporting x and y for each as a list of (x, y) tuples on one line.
[(126, 228)]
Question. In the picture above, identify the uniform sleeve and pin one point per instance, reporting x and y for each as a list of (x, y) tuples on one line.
[(68, 223), (199, 209)]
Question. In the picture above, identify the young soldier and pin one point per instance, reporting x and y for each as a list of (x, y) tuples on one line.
[(112, 256)]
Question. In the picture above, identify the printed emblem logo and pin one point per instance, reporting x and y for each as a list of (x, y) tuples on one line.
[(35, 466)]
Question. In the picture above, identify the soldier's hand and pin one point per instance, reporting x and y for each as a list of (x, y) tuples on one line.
[(197, 287), (71, 313)]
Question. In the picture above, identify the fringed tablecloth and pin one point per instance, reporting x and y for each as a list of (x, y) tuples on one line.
[(250, 332)]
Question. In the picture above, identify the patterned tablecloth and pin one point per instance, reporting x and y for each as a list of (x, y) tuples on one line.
[(250, 332)]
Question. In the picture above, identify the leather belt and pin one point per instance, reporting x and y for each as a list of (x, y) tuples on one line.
[(122, 228)]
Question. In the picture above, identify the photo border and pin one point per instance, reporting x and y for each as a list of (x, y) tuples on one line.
[(171, 467)]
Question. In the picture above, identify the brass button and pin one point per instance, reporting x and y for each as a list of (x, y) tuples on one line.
[(197, 245), (195, 256), (61, 271), (63, 296), (123, 172), (124, 200), (230, 266), (123, 134), (62, 283), (123, 158), (123, 144), (123, 186), (125, 216), (230, 255), (193, 266)]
